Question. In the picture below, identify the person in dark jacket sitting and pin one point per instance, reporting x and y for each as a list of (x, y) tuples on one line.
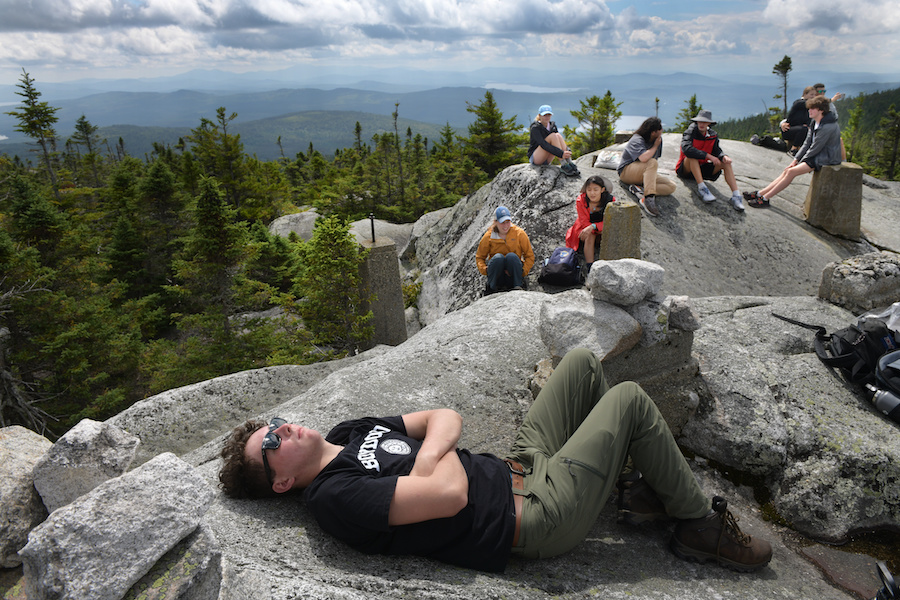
[(547, 143), (795, 127), (822, 147), (702, 158)]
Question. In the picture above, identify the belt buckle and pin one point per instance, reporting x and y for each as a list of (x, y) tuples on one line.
[(515, 467)]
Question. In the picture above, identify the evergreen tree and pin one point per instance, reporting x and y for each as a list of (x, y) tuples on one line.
[(597, 119), (851, 132), (888, 140), (331, 304), (687, 113), (782, 68), (212, 252), (494, 142), (86, 135), (36, 120)]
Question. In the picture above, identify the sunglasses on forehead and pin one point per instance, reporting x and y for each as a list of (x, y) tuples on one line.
[(271, 441)]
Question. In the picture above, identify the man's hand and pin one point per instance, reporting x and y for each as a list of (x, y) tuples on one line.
[(567, 154), (439, 431), (785, 126), (437, 486), (714, 160)]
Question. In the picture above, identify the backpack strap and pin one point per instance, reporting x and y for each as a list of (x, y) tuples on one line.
[(823, 345)]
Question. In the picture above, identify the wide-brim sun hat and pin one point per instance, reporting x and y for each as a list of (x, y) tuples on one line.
[(704, 116)]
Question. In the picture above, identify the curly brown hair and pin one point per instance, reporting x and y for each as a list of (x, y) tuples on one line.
[(820, 102), (241, 478)]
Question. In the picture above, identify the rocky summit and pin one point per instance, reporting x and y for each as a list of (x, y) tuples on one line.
[(799, 454)]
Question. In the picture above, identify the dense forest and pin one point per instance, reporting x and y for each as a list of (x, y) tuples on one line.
[(124, 276)]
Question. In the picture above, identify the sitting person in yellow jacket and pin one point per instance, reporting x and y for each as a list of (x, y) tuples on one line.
[(504, 254)]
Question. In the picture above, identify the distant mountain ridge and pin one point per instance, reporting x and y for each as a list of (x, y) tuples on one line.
[(326, 130), (426, 99)]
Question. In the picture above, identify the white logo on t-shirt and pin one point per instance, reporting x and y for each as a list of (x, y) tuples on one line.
[(366, 454), (395, 447)]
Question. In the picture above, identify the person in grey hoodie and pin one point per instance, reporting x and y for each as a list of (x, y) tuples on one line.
[(822, 147)]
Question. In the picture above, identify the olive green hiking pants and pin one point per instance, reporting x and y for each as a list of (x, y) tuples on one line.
[(573, 445)]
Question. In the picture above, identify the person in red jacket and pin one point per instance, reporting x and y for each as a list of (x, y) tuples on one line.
[(702, 158), (590, 205)]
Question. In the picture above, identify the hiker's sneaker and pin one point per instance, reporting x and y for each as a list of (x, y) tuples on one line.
[(793, 152), (638, 503), (649, 204), (637, 190), (718, 537), (705, 194), (737, 202), (570, 169), (754, 139)]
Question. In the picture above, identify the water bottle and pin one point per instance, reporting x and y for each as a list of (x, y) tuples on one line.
[(886, 402)]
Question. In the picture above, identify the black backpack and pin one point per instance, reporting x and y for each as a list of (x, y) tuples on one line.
[(855, 350), (561, 268)]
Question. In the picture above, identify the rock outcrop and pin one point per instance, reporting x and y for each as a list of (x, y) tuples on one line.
[(83, 458), (21, 508), (705, 249), (99, 546), (742, 391)]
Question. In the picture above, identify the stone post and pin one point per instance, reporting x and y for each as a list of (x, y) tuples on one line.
[(380, 277), (621, 231), (834, 200)]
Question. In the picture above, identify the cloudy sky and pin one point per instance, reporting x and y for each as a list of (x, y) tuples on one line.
[(57, 40)]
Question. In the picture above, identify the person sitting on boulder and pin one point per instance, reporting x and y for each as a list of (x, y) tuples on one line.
[(400, 485), (584, 234), (504, 254), (795, 127), (822, 147), (548, 144), (701, 157), (639, 164)]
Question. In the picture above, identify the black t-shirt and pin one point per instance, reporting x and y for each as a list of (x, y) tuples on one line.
[(351, 498)]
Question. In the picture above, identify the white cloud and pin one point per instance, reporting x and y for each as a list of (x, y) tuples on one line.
[(181, 34), (848, 17)]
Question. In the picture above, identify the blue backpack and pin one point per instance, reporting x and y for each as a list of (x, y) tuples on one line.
[(561, 269)]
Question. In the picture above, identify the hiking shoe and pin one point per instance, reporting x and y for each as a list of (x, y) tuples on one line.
[(737, 201), (638, 503), (570, 169), (649, 204), (754, 139), (793, 152), (705, 194), (718, 537)]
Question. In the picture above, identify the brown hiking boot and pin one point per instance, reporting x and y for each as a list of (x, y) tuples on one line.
[(718, 537), (638, 503)]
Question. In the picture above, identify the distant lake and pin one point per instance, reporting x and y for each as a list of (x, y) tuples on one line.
[(527, 89)]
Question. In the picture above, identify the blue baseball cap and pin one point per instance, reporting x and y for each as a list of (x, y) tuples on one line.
[(545, 110), (502, 214)]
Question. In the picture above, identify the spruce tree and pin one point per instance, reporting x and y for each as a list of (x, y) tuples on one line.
[(36, 120), (494, 142), (888, 141), (598, 118), (687, 113), (330, 301), (782, 68)]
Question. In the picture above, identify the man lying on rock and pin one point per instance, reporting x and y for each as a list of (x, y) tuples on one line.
[(399, 485)]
